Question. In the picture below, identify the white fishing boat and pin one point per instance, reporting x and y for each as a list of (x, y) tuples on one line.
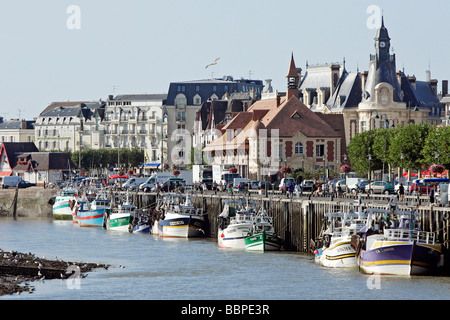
[(64, 202), (181, 219), (235, 222), (262, 236), (119, 219), (392, 243), (337, 251)]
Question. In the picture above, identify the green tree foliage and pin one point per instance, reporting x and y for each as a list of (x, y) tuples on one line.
[(91, 158), (417, 142), (359, 149)]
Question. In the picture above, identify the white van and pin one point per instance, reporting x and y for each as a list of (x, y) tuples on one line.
[(352, 183), (285, 183), (10, 181), (133, 183)]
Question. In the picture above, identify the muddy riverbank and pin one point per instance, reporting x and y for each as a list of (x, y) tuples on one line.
[(19, 270)]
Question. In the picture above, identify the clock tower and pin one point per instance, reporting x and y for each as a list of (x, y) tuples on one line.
[(382, 43), (292, 80)]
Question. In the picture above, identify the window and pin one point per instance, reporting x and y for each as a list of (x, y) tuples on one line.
[(363, 126), (214, 88), (225, 88), (320, 150), (298, 148)]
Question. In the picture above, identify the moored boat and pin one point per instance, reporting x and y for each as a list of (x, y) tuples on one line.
[(62, 209), (392, 243), (181, 219), (235, 222), (119, 219), (262, 236), (94, 216), (337, 251)]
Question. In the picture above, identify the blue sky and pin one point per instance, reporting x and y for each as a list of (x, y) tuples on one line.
[(140, 46)]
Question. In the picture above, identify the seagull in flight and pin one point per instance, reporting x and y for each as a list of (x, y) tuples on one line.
[(212, 63)]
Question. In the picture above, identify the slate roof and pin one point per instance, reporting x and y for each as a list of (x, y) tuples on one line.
[(16, 125), (206, 88), (47, 161), (347, 93), (13, 149), (140, 97)]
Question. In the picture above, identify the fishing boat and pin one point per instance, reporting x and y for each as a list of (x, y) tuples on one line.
[(62, 209), (262, 236), (392, 243), (235, 222), (119, 219), (141, 223), (337, 251), (94, 215), (181, 219)]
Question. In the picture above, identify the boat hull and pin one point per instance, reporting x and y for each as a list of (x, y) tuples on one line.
[(339, 254), (93, 218), (233, 236), (118, 222), (62, 210), (263, 241), (182, 227), (400, 258), (143, 227)]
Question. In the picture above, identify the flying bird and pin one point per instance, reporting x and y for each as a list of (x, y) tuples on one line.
[(212, 63)]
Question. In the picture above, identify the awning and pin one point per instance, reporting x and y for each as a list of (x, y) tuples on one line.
[(116, 176), (150, 165)]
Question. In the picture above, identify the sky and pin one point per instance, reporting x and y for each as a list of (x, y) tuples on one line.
[(77, 50)]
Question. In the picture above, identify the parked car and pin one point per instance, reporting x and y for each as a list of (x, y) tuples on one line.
[(362, 185), (307, 185), (381, 187), (254, 185), (406, 185), (25, 184), (285, 183)]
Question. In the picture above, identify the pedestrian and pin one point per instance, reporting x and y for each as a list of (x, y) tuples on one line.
[(432, 195), (297, 190), (401, 191), (291, 190), (338, 190)]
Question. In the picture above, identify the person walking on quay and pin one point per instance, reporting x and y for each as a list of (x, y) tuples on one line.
[(432, 195), (401, 191), (298, 190), (291, 191)]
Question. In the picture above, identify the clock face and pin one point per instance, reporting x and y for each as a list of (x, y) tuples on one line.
[(382, 44)]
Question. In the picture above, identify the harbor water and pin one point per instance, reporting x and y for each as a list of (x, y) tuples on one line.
[(144, 266)]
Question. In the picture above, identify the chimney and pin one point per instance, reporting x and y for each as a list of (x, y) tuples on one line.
[(364, 79), (278, 100), (444, 87), (412, 80), (399, 77), (245, 106), (110, 97), (23, 124), (433, 84)]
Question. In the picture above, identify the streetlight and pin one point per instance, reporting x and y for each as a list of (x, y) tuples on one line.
[(401, 165), (369, 156)]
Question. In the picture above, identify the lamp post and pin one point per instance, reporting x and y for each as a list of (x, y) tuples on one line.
[(401, 165), (369, 156)]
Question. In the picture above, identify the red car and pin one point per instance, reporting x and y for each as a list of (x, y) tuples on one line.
[(424, 188)]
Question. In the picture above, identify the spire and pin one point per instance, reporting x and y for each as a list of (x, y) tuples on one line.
[(292, 79), (292, 69)]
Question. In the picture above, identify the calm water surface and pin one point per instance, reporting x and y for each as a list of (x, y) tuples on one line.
[(148, 267)]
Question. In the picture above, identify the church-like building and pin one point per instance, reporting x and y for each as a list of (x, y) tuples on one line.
[(383, 96)]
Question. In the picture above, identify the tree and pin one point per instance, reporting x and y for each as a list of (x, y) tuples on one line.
[(437, 144), (359, 149), (409, 141)]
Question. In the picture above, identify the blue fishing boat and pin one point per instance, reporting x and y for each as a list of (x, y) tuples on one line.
[(94, 216)]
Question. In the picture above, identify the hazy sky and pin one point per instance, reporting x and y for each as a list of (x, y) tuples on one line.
[(51, 52)]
